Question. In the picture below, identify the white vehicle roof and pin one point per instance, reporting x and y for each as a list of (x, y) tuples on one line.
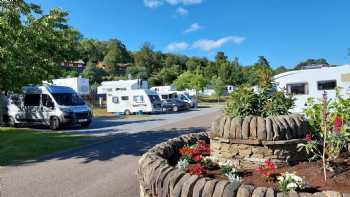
[(47, 89)]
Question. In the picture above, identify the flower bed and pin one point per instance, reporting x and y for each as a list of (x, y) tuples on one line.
[(160, 174)]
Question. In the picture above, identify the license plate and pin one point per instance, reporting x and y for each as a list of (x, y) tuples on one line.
[(83, 120)]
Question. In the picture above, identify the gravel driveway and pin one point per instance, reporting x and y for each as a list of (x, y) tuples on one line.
[(102, 170)]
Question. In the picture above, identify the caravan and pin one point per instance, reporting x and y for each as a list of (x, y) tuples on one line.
[(313, 82), (54, 106), (133, 101)]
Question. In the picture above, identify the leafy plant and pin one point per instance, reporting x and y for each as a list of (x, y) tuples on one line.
[(182, 164), (264, 102), (266, 170), (290, 181), (233, 177)]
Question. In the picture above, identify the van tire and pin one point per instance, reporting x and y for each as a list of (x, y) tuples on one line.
[(127, 112), (175, 109), (12, 122), (55, 123)]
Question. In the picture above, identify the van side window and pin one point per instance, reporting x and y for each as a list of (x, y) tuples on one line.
[(138, 99), (32, 100), (46, 100), (115, 99), (164, 97), (298, 88), (125, 98), (327, 85)]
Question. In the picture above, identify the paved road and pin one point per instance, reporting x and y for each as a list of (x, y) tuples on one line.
[(103, 170)]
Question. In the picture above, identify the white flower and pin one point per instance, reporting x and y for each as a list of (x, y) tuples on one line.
[(182, 164), (292, 186), (233, 177)]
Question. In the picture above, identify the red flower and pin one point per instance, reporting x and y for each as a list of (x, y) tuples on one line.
[(197, 158), (308, 137), (202, 148), (196, 169), (259, 169), (188, 151), (266, 174), (338, 123)]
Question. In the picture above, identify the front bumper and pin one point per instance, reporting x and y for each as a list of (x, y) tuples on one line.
[(76, 118)]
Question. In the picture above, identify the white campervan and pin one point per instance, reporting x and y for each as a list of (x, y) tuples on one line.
[(51, 105), (133, 101), (313, 82)]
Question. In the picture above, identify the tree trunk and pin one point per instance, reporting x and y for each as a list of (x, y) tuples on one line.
[(2, 107)]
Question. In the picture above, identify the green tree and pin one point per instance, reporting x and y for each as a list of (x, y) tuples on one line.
[(308, 62), (148, 59), (184, 81), (280, 69), (92, 50), (117, 54), (137, 72), (33, 44), (219, 86), (94, 74)]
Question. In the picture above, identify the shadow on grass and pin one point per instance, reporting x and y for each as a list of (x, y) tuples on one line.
[(121, 144)]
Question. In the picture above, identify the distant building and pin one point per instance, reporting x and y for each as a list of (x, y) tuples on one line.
[(122, 67), (78, 66)]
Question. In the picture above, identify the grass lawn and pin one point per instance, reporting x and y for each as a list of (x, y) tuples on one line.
[(19, 145)]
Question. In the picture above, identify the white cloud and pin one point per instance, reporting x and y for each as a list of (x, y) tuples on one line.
[(182, 11), (193, 27), (208, 45), (184, 2), (157, 3), (177, 46), (152, 3)]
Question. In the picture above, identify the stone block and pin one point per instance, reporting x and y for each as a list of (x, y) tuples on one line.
[(246, 127), (319, 194), (238, 130), (176, 191), (253, 128), (209, 188), (231, 189), (270, 192), (188, 185), (245, 191), (227, 127), (222, 125), (261, 128), (259, 192), (269, 129), (198, 187), (332, 194), (219, 188)]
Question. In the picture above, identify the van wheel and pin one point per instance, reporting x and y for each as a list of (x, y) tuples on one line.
[(12, 122), (127, 112), (175, 109), (55, 123)]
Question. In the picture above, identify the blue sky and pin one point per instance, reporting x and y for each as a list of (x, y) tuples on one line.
[(285, 31)]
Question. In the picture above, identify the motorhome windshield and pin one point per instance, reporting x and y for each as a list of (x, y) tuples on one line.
[(68, 99), (154, 98)]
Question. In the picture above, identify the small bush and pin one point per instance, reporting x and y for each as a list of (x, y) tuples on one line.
[(265, 102)]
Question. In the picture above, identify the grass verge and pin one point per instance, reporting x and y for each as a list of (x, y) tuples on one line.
[(20, 145)]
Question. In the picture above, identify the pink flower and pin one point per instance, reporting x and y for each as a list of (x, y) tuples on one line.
[(266, 174), (308, 137), (338, 123)]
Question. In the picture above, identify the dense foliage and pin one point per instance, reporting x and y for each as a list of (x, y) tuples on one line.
[(266, 101)]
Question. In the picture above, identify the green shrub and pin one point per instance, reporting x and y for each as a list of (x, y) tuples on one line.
[(265, 102)]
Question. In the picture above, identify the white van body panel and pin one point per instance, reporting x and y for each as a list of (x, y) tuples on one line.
[(78, 84), (133, 101), (312, 77)]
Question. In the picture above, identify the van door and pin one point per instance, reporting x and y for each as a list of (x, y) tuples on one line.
[(31, 110), (47, 107)]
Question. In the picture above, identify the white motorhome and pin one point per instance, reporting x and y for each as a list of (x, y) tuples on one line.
[(78, 84), (109, 86), (133, 101), (313, 82), (54, 106)]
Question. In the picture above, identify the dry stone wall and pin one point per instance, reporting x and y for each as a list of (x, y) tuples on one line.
[(158, 178), (272, 128)]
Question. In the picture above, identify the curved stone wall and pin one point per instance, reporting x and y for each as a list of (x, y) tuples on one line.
[(272, 128), (158, 178)]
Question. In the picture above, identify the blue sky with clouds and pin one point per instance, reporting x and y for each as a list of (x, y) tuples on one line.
[(285, 31)]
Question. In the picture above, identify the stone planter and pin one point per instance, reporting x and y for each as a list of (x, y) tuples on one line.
[(251, 140), (158, 178)]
